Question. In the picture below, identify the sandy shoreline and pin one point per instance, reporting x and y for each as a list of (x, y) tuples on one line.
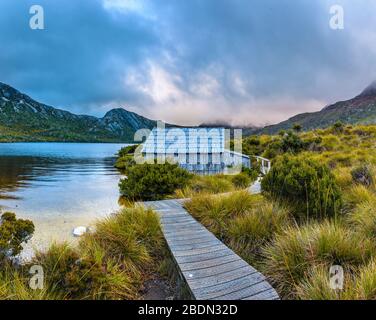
[(48, 231)]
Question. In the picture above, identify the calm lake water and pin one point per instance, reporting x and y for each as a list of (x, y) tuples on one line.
[(59, 186)]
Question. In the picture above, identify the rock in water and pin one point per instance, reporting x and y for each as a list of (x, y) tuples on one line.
[(79, 231)]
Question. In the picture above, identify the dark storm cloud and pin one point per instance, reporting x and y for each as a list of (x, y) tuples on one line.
[(189, 61), (81, 56)]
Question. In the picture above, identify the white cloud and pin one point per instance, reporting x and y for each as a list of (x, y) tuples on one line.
[(205, 100), (124, 5)]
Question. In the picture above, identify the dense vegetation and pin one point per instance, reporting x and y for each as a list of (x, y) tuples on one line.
[(153, 181), (306, 185), (336, 167)]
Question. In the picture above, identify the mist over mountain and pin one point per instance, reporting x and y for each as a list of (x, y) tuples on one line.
[(359, 110)]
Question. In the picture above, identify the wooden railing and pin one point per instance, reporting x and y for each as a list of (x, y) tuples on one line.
[(265, 164)]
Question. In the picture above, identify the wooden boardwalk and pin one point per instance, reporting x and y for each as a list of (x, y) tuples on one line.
[(211, 270)]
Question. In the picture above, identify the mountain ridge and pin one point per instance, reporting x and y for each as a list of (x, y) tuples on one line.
[(359, 110), (24, 119)]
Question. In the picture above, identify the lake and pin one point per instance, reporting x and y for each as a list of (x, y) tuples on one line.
[(58, 186)]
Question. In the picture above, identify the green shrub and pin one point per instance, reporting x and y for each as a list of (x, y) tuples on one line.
[(13, 232), (330, 142), (289, 142), (254, 171), (125, 158), (297, 127), (128, 150), (252, 146), (241, 181), (338, 127), (125, 163), (306, 184), (292, 143), (153, 181)]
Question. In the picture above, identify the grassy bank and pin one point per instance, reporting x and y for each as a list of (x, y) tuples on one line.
[(114, 262)]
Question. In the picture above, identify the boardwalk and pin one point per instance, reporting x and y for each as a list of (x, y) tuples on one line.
[(211, 270)]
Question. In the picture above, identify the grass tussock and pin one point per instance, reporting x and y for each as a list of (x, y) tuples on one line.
[(358, 194), (363, 218), (359, 284), (14, 285), (201, 185), (112, 262), (289, 259), (316, 286), (215, 212), (248, 233)]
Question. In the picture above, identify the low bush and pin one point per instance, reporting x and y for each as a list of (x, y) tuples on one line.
[(292, 143), (241, 181), (13, 233), (365, 283), (128, 150), (153, 181), (125, 163), (330, 142), (305, 184)]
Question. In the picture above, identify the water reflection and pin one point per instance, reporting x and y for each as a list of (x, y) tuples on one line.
[(58, 186)]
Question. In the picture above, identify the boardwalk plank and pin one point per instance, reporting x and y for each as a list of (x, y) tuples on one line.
[(205, 257), (211, 270), (227, 288)]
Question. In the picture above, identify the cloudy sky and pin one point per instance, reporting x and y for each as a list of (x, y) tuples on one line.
[(189, 61)]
